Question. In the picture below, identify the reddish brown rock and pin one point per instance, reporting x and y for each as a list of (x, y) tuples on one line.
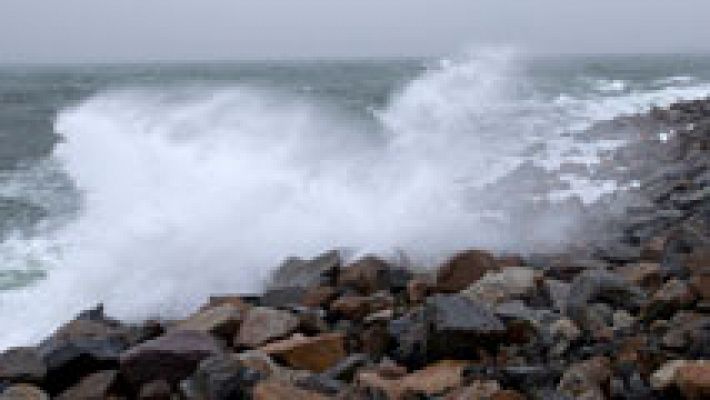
[(319, 296), (171, 357), (507, 395), (222, 320), (357, 307), (367, 275), (646, 275), (315, 354), (262, 325), (273, 389), (700, 283), (436, 379), (417, 290), (693, 380), (464, 269)]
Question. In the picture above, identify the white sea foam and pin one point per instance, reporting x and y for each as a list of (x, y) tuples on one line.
[(195, 191)]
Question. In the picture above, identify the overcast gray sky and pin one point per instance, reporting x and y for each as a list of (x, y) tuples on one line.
[(126, 30)]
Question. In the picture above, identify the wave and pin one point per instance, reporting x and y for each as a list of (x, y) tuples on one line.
[(192, 191)]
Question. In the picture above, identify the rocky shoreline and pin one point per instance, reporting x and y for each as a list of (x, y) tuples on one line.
[(625, 315)]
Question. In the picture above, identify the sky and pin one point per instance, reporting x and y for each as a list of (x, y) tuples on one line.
[(138, 30)]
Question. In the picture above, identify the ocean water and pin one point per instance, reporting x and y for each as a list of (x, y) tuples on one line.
[(150, 187)]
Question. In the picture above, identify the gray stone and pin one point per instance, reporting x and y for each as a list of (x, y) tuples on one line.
[(22, 364)]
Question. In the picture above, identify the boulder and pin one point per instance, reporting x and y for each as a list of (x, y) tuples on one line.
[(171, 357), (223, 377), (272, 389), (585, 379), (464, 269), (86, 344), (508, 284), (358, 307), (317, 353), (674, 295), (262, 325), (295, 272), (436, 379), (22, 364), (459, 326), (600, 286), (319, 296), (155, 390), (23, 391), (222, 321), (287, 297), (366, 275), (478, 390), (96, 386), (693, 380)]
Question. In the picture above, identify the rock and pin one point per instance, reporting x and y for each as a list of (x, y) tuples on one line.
[(345, 369), (664, 377), (262, 325), (435, 379), (700, 283), (508, 284), (223, 377), (507, 395), (367, 275), (600, 286), (22, 364), (622, 320), (674, 295), (564, 328), (558, 293), (464, 269), (23, 391), (295, 272), (86, 344), (478, 390), (459, 326), (96, 386), (155, 390), (319, 296), (410, 334), (585, 379), (315, 354), (272, 389), (358, 307), (222, 321), (171, 357), (417, 290), (646, 275), (287, 297), (693, 380)]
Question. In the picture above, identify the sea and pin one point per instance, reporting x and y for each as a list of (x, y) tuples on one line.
[(147, 187)]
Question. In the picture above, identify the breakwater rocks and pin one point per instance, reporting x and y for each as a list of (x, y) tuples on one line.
[(622, 314)]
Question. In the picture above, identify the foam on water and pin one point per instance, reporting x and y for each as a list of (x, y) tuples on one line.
[(201, 190)]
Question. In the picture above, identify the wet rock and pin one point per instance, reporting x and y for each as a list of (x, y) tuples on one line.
[(315, 354), (171, 357), (296, 272), (464, 269), (674, 295), (600, 286), (22, 364), (458, 326), (222, 321), (271, 389), (508, 284), (367, 275), (155, 390), (87, 344), (23, 391), (96, 386), (433, 380), (262, 325), (223, 377), (585, 379)]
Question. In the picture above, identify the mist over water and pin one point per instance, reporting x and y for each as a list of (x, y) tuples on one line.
[(203, 188)]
